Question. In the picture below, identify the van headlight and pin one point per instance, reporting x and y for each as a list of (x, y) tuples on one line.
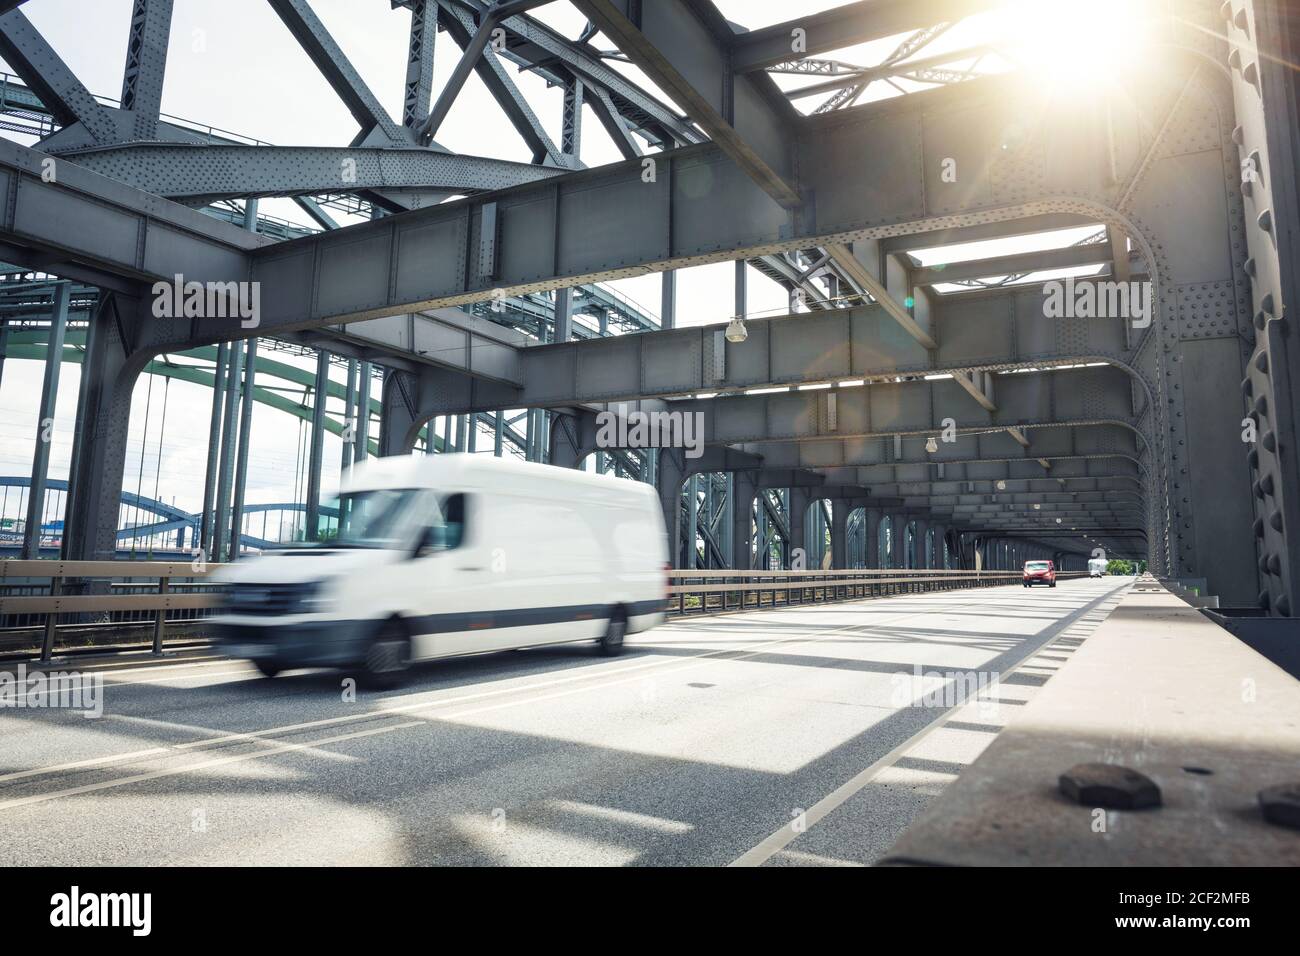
[(316, 599)]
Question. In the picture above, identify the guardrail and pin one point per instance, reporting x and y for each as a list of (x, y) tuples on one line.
[(78, 589), (91, 586), (710, 592)]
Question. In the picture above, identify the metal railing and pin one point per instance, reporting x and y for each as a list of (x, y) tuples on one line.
[(84, 589), (127, 593), (711, 592)]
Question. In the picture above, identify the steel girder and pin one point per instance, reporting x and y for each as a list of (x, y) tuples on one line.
[(201, 174), (146, 63), (843, 26), (419, 63), (1265, 46), (908, 455), (682, 46), (86, 226), (1031, 400), (998, 329), (699, 208), (1174, 151)]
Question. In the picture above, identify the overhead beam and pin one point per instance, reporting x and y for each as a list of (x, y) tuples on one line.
[(682, 46), (208, 173), (1043, 260), (844, 26)]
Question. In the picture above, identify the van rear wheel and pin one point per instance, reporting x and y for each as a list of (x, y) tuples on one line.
[(612, 643), (387, 658), (268, 668)]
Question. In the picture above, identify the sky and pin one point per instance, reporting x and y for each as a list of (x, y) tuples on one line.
[(234, 66)]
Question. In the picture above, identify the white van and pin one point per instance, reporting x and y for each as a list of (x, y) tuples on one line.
[(443, 555), (1096, 567)]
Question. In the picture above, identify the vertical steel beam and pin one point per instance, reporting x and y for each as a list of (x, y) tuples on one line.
[(241, 454), (563, 314), (4, 346), (498, 432), (146, 64), (45, 422), (350, 418), (206, 520), (226, 468), (668, 302), (315, 458), (920, 549), (361, 448), (871, 538), (108, 376), (419, 63), (692, 521), (742, 297), (839, 534), (797, 518), (571, 133)]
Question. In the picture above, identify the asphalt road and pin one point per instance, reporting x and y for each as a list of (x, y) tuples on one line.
[(799, 736)]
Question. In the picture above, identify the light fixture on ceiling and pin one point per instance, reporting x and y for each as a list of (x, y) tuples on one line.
[(1002, 486), (736, 331), (931, 445)]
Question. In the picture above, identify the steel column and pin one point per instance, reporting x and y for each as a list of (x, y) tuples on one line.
[(316, 452), (208, 517), (241, 453), (45, 422), (226, 468)]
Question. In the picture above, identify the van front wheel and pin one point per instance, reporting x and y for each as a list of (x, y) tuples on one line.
[(612, 642), (388, 657)]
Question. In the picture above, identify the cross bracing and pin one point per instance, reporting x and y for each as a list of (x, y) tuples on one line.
[(878, 351)]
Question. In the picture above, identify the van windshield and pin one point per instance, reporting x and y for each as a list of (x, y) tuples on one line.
[(384, 517)]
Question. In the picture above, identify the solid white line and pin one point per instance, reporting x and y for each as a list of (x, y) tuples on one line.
[(256, 736)]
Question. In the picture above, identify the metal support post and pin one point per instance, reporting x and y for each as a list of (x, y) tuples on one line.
[(45, 422)]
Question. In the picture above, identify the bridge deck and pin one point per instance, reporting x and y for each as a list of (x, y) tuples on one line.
[(700, 745)]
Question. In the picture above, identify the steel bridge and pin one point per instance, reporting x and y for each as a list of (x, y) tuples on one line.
[(1118, 380)]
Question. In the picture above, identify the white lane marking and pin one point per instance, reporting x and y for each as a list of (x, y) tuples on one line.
[(684, 664), (779, 840), (205, 764), (385, 711)]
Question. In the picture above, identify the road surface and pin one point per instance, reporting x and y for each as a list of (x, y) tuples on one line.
[(801, 736)]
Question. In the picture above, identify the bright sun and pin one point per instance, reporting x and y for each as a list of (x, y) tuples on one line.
[(1073, 44)]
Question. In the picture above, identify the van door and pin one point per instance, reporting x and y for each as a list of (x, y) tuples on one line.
[(463, 620)]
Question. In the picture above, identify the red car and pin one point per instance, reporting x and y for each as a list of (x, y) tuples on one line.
[(1040, 572)]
